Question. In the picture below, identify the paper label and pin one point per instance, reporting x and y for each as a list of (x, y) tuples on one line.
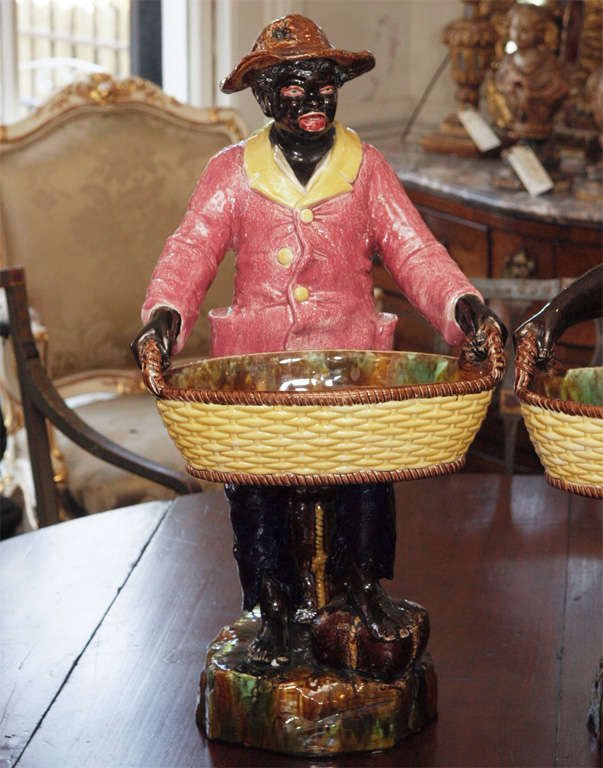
[(530, 170), (482, 135)]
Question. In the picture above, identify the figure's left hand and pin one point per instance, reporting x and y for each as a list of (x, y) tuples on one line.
[(472, 314)]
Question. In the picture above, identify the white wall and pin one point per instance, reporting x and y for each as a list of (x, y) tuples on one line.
[(404, 35)]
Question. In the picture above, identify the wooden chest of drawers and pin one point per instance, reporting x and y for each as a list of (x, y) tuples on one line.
[(492, 234)]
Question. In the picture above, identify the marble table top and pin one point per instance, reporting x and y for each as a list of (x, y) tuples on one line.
[(467, 180)]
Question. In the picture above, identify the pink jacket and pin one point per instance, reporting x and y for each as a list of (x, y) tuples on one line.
[(303, 255)]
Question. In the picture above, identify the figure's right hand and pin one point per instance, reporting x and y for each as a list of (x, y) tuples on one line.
[(163, 327)]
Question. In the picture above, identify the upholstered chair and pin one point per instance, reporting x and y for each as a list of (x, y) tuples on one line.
[(91, 184)]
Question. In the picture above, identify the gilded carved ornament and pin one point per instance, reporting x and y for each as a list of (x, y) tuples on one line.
[(471, 42), (528, 84), (102, 90), (577, 111)]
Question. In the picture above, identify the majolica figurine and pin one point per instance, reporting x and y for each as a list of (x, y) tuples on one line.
[(531, 80), (305, 204)]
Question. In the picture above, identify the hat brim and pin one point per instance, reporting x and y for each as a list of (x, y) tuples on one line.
[(241, 77)]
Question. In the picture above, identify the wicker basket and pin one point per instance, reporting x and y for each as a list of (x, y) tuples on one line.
[(566, 433), (369, 418)]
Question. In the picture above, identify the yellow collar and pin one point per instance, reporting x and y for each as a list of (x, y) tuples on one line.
[(334, 178)]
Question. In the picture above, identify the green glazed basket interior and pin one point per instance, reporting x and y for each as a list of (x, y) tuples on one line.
[(316, 371), (576, 385)]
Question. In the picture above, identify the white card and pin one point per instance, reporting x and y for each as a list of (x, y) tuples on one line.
[(483, 136), (530, 170)]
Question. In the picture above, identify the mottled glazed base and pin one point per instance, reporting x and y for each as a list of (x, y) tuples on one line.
[(306, 709)]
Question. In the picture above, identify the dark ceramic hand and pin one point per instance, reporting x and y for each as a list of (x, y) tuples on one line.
[(583, 300), (544, 326), (163, 327), (473, 315)]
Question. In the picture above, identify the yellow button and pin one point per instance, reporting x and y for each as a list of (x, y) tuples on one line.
[(301, 293), (306, 215), (284, 256)]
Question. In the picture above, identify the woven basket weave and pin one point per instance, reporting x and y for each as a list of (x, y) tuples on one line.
[(567, 435), (330, 436)]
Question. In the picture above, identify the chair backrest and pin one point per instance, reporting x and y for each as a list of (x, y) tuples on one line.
[(90, 186)]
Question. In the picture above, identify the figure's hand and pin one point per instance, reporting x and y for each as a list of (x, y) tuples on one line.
[(473, 316), (580, 301), (544, 326), (163, 327)]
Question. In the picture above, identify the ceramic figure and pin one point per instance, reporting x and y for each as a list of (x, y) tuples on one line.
[(305, 204)]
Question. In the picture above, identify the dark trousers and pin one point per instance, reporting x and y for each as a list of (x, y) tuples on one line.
[(364, 535)]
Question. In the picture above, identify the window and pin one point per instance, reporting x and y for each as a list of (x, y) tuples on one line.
[(48, 43)]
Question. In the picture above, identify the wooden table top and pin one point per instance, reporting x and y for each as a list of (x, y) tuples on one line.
[(105, 621)]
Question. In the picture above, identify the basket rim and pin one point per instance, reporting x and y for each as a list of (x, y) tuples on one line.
[(359, 476), (525, 363), (582, 489), (555, 404), (493, 368)]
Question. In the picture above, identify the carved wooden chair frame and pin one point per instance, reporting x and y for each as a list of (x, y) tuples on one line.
[(42, 399)]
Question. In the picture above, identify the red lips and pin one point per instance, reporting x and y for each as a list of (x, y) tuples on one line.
[(313, 121)]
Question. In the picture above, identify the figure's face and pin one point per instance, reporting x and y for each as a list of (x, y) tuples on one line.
[(304, 100), (523, 31)]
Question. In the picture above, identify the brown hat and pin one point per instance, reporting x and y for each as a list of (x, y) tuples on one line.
[(287, 39)]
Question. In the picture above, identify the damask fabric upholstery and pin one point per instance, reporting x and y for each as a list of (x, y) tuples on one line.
[(86, 205), (133, 422)]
